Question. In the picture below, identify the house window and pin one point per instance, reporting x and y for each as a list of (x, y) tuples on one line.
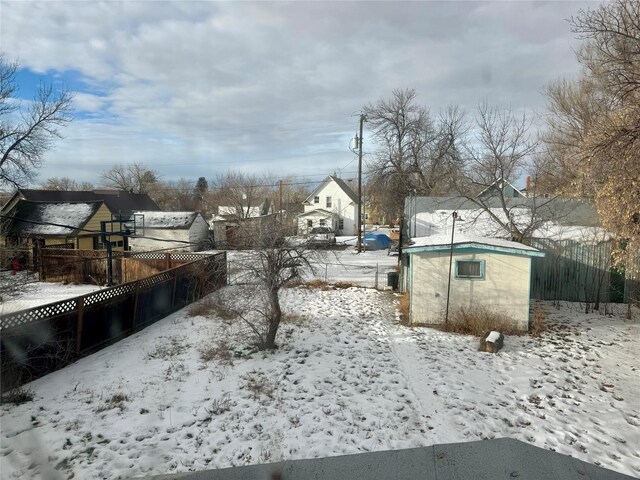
[(328, 202), (316, 199), (472, 269), (323, 222), (309, 223), (341, 224)]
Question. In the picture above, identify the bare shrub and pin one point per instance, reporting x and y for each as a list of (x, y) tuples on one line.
[(202, 308), (403, 308), (221, 352), (480, 320), (18, 396), (538, 323), (220, 405), (167, 350), (344, 285), (117, 400), (294, 318), (318, 284), (257, 384)]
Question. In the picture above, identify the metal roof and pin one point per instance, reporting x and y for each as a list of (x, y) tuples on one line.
[(502, 458)]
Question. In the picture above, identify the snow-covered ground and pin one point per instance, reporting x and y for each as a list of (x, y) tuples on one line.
[(347, 378), (26, 292)]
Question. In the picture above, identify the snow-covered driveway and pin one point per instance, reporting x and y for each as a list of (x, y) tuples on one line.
[(347, 378)]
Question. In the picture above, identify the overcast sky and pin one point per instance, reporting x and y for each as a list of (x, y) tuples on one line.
[(195, 88)]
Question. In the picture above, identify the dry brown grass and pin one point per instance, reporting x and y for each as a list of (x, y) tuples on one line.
[(207, 307), (403, 307), (319, 284), (220, 352), (538, 321), (293, 318), (202, 308), (117, 400), (479, 321)]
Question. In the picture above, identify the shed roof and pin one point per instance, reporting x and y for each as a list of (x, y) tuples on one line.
[(461, 242), (176, 220), (36, 218)]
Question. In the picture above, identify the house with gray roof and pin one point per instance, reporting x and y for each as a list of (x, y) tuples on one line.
[(332, 204)]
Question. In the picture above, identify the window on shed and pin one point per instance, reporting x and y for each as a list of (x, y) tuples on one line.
[(328, 202), (309, 223), (316, 199), (341, 224), (470, 269), (323, 222)]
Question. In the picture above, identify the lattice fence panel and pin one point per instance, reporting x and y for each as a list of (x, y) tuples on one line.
[(109, 294), (39, 313)]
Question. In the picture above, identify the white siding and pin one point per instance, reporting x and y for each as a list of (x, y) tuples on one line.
[(505, 287), (341, 205), (172, 238)]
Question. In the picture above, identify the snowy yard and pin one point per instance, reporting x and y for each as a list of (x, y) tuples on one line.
[(347, 378), (26, 292)]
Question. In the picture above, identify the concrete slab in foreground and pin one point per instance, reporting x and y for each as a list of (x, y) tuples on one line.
[(497, 459)]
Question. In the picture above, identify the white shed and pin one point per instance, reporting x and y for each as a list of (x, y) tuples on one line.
[(487, 272), (172, 230)]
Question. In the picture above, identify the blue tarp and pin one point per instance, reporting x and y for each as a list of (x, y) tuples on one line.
[(377, 241)]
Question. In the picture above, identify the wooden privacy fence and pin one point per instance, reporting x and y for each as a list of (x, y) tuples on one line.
[(575, 272), (90, 266), (40, 340)]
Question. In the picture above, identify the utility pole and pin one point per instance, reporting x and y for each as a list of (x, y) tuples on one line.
[(360, 184), (280, 206)]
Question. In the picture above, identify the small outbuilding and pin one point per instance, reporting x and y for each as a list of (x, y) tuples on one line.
[(171, 230), (476, 271)]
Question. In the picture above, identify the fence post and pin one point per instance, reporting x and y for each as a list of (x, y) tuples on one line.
[(40, 259), (80, 324), (326, 268), (136, 290), (377, 272), (173, 290), (167, 258)]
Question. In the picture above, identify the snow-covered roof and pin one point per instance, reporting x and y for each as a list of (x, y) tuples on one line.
[(318, 211), (168, 219), (481, 222), (36, 218), (441, 242), (341, 183)]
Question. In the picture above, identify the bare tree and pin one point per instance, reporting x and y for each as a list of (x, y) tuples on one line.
[(26, 133), (500, 150), (66, 184), (134, 178), (269, 268), (594, 122), (414, 153), (240, 195)]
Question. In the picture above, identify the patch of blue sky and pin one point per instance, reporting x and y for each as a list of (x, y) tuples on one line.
[(28, 83)]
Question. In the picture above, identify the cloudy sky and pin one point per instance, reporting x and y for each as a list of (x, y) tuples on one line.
[(193, 88)]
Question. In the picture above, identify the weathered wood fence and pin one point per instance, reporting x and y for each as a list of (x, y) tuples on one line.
[(43, 339), (576, 272)]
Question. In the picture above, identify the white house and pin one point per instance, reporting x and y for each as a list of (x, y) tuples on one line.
[(332, 204), (173, 230), (477, 272)]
